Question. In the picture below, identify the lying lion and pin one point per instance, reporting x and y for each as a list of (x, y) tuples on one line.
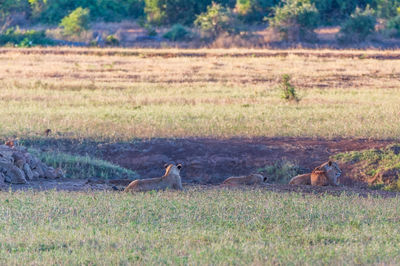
[(324, 175), (171, 179), (252, 179)]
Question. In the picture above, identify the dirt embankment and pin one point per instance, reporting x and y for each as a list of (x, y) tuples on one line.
[(210, 161), (207, 162)]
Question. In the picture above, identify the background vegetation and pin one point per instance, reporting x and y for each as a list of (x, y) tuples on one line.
[(294, 20)]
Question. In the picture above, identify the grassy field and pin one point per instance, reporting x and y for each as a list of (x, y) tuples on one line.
[(246, 227), (121, 95), (127, 94)]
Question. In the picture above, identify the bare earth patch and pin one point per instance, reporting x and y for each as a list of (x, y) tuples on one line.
[(207, 162)]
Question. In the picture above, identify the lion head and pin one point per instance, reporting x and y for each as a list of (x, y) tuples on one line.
[(329, 169)]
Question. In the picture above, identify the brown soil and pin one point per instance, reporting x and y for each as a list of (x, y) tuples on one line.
[(373, 54), (207, 162)]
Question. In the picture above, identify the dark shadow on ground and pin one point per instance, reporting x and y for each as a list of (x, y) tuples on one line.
[(207, 160)]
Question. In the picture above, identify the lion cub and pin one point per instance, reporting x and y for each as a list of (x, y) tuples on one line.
[(324, 175), (252, 179), (171, 179)]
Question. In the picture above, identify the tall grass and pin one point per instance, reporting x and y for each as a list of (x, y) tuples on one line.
[(192, 227)]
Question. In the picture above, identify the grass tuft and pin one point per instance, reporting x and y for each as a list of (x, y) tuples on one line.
[(281, 172), (82, 167)]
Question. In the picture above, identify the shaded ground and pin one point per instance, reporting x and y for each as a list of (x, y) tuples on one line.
[(210, 161), (207, 162)]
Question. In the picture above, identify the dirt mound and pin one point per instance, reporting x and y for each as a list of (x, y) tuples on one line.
[(17, 166)]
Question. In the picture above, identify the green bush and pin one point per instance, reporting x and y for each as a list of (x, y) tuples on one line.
[(169, 12), (112, 40), (288, 90), (332, 11), (281, 172), (295, 20), (52, 11), (24, 39), (358, 27), (387, 8), (251, 11), (76, 22), (177, 33), (393, 25), (217, 20)]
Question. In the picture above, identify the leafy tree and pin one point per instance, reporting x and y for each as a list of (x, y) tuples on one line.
[(218, 19), (295, 20), (76, 22), (178, 11), (255, 10), (359, 26)]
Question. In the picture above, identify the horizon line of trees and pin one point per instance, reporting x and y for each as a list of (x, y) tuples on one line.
[(290, 19), (185, 12)]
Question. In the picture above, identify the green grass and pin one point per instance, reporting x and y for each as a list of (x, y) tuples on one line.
[(191, 227), (75, 166), (281, 172), (375, 161)]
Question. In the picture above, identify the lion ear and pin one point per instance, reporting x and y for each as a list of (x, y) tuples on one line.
[(166, 165), (179, 166), (265, 179), (330, 163)]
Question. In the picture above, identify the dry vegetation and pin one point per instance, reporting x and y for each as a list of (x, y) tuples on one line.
[(167, 93)]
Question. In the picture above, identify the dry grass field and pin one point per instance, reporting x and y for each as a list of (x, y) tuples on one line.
[(207, 108), (126, 94)]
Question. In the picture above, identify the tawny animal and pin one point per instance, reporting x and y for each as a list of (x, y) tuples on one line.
[(327, 174), (252, 179), (171, 179)]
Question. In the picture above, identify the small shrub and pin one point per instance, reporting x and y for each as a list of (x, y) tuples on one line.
[(177, 33), (217, 20), (393, 25), (112, 40), (288, 90), (280, 172), (76, 22), (358, 27), (24, 38), (295, 20)]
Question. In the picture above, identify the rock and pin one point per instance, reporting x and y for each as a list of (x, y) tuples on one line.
[(17, 166), (27, 171), (36, 175), (12, 173), (49, 173)]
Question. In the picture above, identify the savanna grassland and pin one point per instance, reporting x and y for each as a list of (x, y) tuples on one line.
[(211, 226), (125, 94), (122, 95)]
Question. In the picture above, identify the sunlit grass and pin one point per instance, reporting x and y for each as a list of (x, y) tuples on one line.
[(127, 96), (192, 227), (174, 112)]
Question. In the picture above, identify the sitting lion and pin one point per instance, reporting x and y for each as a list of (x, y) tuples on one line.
[(171, 179), (252, 179), (324, 175)]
